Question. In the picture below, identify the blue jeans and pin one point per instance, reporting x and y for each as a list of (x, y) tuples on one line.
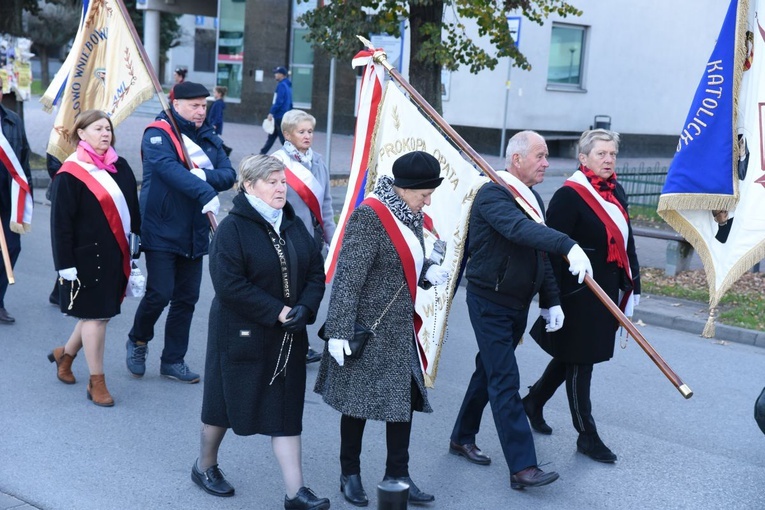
[(496, 380), (172, 279)]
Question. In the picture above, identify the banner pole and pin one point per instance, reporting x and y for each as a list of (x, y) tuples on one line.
[(6, 256), (381, 58)]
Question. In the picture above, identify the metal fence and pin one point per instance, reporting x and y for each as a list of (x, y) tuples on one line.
[(643, 184)]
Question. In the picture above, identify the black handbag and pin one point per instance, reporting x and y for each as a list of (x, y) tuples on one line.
[(541, 336), (759, 411), (361, 333)]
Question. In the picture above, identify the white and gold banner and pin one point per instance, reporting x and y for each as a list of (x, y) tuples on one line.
[(401, 128), (106, 73)]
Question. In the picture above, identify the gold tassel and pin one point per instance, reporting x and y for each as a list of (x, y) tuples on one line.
[(709, 327)]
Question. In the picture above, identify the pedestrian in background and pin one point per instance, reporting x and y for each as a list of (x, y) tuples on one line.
[(175, 232), (268, 276), (281, 104), (507, 266), (15, 149), (375, 285), (94, 210), (215, 112), (308, 190), (591, 208), (179, 76)]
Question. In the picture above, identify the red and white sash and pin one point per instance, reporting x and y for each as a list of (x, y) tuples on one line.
[(21, 194), (523, 191), (300, 179), (117, 223), (613, 219), (412, 259), (198, 157)]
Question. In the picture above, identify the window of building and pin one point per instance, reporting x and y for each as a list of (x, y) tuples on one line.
[(567, 51), (230, 47), (301, 59), (204, 50)]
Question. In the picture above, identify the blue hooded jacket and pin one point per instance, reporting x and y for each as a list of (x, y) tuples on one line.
[(172, 197), (282, 99)]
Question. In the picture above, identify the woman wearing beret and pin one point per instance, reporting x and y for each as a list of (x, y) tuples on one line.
[(380, 266), (591, 207)]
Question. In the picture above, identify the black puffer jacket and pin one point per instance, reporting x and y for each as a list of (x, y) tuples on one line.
[(507, 265)]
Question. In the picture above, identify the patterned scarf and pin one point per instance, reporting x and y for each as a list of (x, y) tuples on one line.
[(384, 191), (103, 161), (604, 187), (305, 159)]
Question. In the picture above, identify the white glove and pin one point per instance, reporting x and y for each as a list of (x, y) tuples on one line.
[(70, 273), (337, 348), (436, 275), (555, 320), (199, 173), (578, 263), (635, 299), (212, 206)]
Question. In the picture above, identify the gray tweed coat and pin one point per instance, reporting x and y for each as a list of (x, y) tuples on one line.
[(378, 385)]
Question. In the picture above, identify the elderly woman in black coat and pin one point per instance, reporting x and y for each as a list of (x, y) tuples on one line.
[(268, 276), (380, 266), (591, 208), (93, 211)]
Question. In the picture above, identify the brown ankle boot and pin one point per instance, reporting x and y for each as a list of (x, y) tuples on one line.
[(98, 393), (63, 365)]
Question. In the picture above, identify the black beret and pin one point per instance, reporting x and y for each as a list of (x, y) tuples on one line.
[(417, 170), (190, 90)]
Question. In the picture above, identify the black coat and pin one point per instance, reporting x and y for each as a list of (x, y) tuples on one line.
[(588, 330), (245, 337), (81, 238)]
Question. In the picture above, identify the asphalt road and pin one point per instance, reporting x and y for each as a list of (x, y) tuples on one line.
[(59, 451)]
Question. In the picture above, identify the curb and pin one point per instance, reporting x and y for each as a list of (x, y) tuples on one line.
[(723, 332)]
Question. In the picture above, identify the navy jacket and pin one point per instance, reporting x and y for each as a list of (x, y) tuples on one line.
[(13, 129), (215, 115), (507, 263), (172, 197), (282, 99)]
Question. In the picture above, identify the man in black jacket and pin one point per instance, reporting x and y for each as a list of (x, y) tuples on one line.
[(16, 142), (506, 268)]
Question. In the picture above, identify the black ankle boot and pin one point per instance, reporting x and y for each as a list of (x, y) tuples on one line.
[(592, 446), (353, 491), (536, 419), (416, 496)]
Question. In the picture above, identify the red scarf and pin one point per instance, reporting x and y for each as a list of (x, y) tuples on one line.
[(605, 188)]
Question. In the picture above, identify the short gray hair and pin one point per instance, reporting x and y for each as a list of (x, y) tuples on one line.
[(588, 139), (294, 117), (520, 144), (257, 166)]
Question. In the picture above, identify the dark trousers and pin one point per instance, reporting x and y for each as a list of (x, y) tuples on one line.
[(577, 378), (272, 137), (496, 380), (170, 279), (397, 435), (14, 248)]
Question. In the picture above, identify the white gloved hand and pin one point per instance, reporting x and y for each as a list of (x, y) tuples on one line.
[(555, 321), (212, 206), (199, 173), (578, 263), (635, 299), (436, 275), (70, 273), (337, 348)]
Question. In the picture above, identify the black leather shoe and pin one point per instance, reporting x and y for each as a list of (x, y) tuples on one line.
[(532, 477), (306, 499), (353, 491), (536, 419), (592, 446), (212, 481), (5, 317), (312, 356), (416, 496), (471, 452)]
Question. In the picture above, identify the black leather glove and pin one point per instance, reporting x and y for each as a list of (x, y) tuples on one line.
[(298, 318)]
